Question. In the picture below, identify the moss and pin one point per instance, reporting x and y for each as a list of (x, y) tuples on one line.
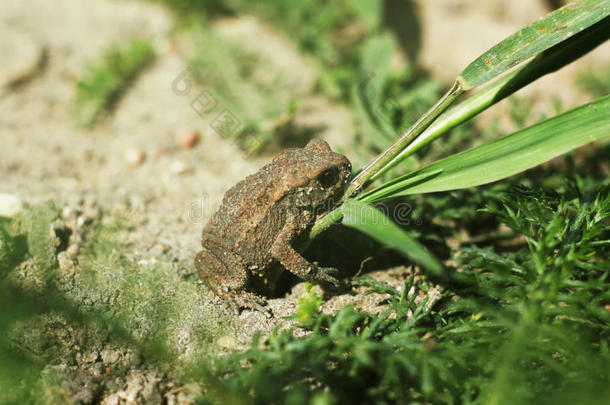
[(13, 247), (106, 79), (41, 239)]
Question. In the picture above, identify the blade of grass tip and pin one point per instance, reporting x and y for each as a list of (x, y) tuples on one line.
[(517, 152), (549, 61), (556, 27), (372, 222)]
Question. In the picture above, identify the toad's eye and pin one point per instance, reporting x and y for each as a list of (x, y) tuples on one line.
[(328, 177)]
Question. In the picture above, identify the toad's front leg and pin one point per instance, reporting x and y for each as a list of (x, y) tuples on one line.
[(283, 252)]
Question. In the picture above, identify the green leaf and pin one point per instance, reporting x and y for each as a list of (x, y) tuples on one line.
[(371, 221), (556, 27), (508, 155)]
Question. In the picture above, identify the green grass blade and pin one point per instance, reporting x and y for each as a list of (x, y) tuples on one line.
[(106, 79), (508, 155), (371, 133), (401, 143), (549, 61), (397, 184), (556, 27), (371, 221)]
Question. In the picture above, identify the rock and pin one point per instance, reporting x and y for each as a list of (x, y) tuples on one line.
[(133, 157), (187, 394), (66, 263), (187, 139), (112, 399), (90, 357), (110, 356), (177, 167), (140, 388), (21, 57), (73, 250), (10, 205), (227, 342)]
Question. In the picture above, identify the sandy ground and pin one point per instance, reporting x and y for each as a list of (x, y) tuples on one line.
[(170, 196)]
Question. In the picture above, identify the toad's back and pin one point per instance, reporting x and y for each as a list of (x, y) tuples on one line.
[(245, 219)]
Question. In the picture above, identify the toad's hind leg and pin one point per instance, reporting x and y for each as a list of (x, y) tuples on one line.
[(228, 278)]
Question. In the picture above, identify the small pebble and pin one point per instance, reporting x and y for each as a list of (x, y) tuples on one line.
[(90, 357), (227, 342), (21, 56), (73, 250), (177, 167), (110, 356), (133, 157), (65, 261), (187, 139), (10, 205), (67, 212), (112, 399)]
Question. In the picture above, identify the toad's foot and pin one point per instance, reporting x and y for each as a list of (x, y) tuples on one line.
[(284, 253), (324, 274), (239, 300)]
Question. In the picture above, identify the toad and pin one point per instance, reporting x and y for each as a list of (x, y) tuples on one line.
[(260, 218)]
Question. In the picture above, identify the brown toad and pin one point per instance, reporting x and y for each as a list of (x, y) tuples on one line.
[(261, 216)]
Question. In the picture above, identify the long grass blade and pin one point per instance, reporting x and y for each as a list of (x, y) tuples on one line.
[(549, 61), (374, 223), (508, 155), (537, 37), (556, 27)]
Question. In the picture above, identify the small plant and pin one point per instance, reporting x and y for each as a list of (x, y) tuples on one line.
[(308, 304), (106, 79)]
